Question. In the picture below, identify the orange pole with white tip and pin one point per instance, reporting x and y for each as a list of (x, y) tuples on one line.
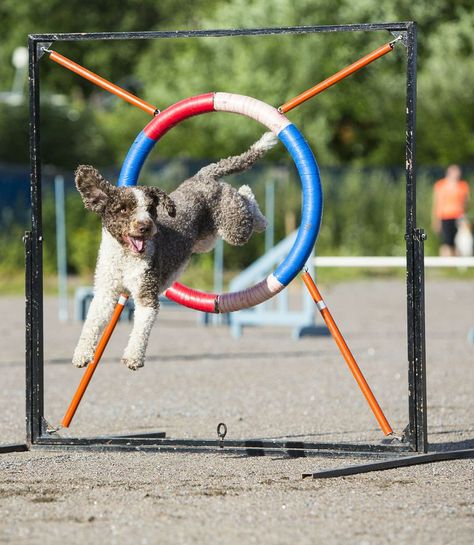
[(95, 362), (346, 353), (335, 78), (102, 82)]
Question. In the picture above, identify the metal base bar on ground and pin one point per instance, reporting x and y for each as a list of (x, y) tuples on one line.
[(14, 447), (144, 435), (252, 447), (383, 465)]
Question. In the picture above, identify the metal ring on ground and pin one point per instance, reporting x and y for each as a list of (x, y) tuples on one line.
[(312, 199)]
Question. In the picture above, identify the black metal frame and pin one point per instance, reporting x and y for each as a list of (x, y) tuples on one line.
[(38, 436)]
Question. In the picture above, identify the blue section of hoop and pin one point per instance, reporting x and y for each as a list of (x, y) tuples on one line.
[(312, 204), (134, 160)]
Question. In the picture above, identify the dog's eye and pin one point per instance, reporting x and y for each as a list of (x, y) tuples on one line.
[(122, 209), (151, 209)]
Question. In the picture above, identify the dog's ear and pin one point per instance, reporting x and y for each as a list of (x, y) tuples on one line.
[(167, 202), (162, 199), (94, 189)]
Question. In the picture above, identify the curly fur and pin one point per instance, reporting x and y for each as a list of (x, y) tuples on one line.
[(148, 238)]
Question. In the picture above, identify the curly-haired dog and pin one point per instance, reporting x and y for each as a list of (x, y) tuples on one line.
[(148, 238)]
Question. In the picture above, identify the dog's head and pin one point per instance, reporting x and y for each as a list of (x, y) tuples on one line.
[(128, 213)]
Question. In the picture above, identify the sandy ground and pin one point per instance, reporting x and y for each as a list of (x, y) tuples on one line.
[(265, 385)]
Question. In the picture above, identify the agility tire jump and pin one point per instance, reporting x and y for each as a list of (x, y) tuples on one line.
[(312, 198)]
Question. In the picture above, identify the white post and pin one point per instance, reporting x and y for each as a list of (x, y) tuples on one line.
[(61, 247)]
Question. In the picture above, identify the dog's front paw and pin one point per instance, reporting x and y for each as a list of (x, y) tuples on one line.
[(81, 359), (133, 363), (83, 354)]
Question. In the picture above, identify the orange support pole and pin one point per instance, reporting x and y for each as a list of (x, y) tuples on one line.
[(338, 76), (101, 82), (86, 378), (346, 353)]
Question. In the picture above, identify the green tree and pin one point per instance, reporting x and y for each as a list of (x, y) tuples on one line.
[(360, 121)]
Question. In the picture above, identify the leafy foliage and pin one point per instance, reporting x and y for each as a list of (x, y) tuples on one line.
[(355, 125), (360, 121)]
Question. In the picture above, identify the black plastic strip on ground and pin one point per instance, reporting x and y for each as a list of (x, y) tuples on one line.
[(394, 464), (20, 447)]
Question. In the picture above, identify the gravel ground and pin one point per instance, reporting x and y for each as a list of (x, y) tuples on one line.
[(265, 385)]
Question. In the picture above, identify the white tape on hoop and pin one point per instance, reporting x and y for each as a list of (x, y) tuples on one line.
[(229, 302), (251, 107)]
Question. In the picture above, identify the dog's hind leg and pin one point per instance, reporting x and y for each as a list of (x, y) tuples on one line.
[(237, 215), (233, 217), (259, 220)]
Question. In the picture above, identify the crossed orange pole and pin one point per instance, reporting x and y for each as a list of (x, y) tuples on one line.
[(338, 76), (102, 82), (86, 378), (290, 105), (346, 353)]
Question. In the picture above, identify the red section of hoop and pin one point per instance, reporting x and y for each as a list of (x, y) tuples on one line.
[(178, 112), (190, 298)]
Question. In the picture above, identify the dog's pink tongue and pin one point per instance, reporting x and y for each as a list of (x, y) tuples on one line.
[(138, 244)]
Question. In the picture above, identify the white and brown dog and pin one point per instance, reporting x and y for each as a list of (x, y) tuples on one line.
[(148, 238)]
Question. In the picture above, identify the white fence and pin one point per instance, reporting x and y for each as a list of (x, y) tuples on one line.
[(386, 261)]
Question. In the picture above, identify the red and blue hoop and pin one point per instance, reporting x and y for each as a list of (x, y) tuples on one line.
[(312, 198)]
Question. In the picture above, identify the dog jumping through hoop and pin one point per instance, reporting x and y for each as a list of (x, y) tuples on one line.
[(148, 238)]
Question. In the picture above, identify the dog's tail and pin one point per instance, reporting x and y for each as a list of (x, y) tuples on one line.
[(239, 163)]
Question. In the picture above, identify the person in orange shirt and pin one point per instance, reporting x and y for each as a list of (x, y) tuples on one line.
[(450, 197)]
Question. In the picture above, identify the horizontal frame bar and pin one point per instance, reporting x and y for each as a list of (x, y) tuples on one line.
[(256, 446), (218, 33)]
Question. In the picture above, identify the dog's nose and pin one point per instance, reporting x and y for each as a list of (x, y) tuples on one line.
[(142, 227)]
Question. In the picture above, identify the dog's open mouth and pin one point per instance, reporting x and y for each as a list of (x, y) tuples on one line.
[(136, 244)]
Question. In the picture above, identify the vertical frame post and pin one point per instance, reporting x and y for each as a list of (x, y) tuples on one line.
[(34, 285), (420, 343), (28, 336), (417, 426)]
